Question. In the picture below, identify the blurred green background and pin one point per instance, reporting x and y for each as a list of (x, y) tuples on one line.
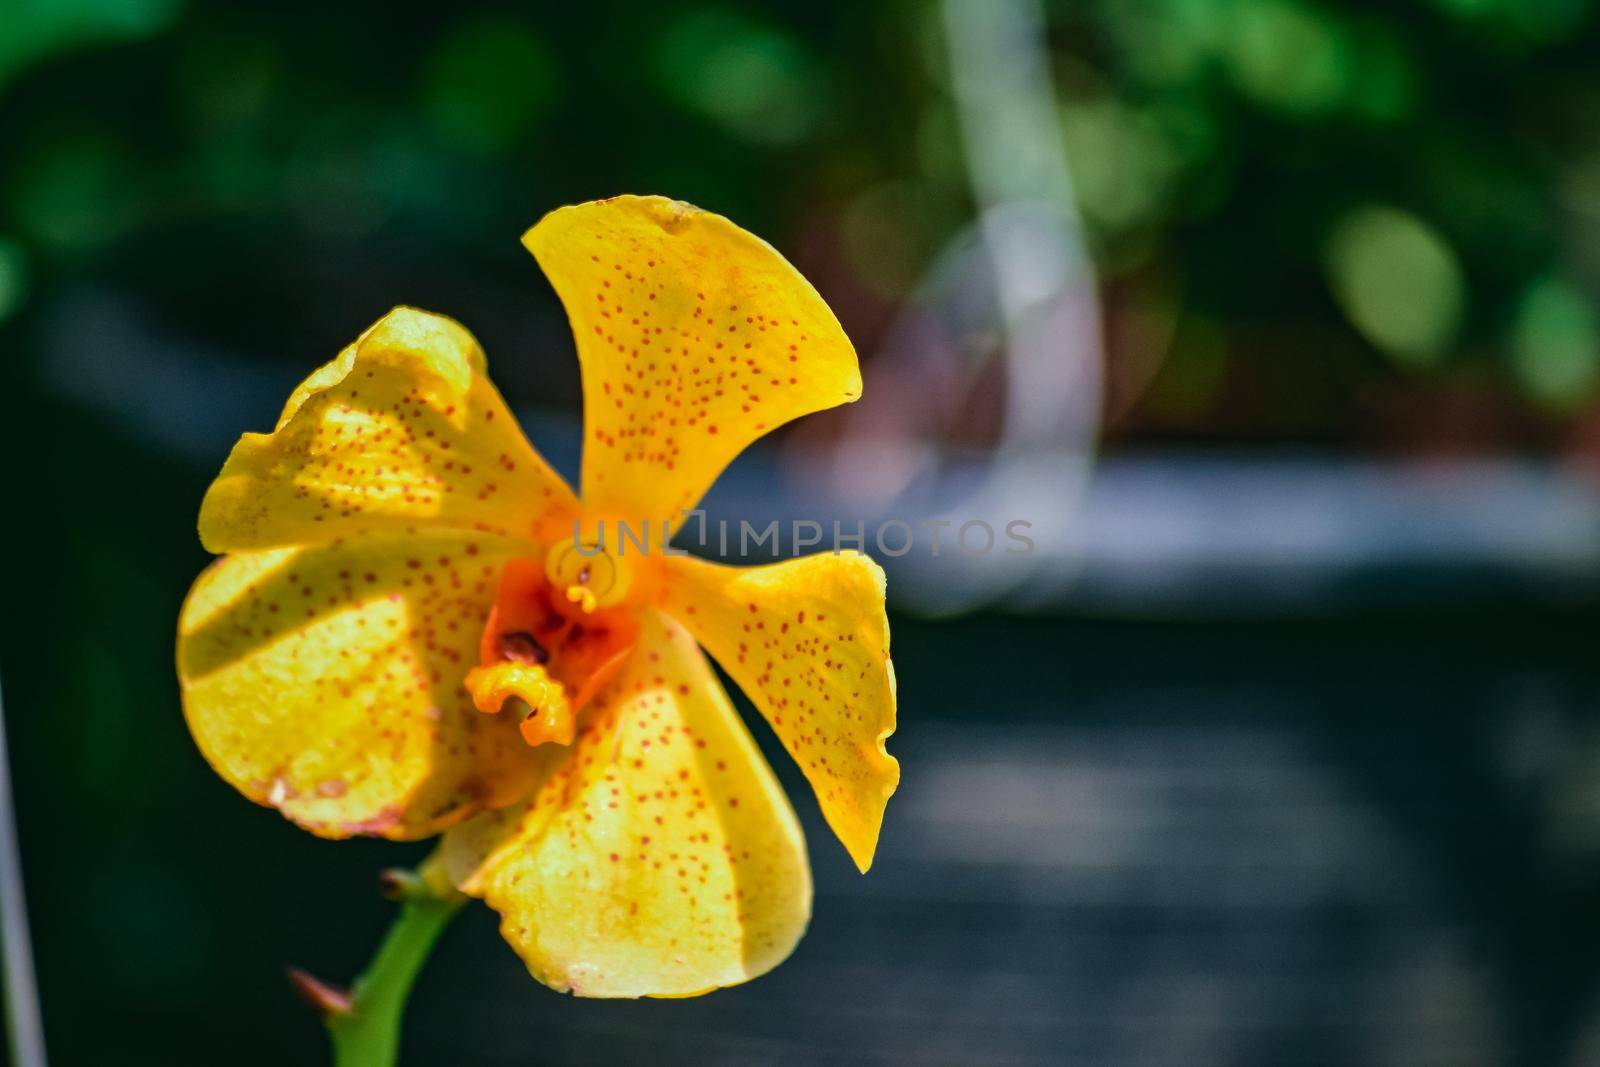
[(1343, 208), (1344, 830)]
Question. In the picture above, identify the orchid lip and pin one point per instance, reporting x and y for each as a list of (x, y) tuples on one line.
[(545, 648)]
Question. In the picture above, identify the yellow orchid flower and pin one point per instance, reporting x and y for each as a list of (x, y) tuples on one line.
[(404, 635)]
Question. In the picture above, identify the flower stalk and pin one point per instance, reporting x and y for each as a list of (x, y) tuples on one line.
[(364, 1021)]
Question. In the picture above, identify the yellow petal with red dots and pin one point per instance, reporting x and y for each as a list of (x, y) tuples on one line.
[(808, 641), (402, 431), (695, 338), (662, 859), (327, 682)]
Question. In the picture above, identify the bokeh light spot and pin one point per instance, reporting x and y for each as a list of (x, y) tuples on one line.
[(31, 31), (1534, 20), (488, 82), (757, 82), (1290, 57), (71, 191), (1399, 283), (889, 232), (13, 277), (1123, 163), (1555, 343)]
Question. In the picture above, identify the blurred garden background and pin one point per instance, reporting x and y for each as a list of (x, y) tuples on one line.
[(1279, 319)]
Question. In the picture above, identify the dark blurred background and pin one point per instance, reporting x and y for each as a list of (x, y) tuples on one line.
[(1277, 318)]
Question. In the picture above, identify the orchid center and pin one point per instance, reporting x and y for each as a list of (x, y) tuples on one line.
[(554, 637)]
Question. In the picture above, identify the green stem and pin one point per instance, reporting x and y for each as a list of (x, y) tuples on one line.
[(367, 1033)]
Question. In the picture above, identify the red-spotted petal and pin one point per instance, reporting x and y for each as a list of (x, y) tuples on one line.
[(661, 858), (808, 641), (327, 682), (695, 337), (402, 431)]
